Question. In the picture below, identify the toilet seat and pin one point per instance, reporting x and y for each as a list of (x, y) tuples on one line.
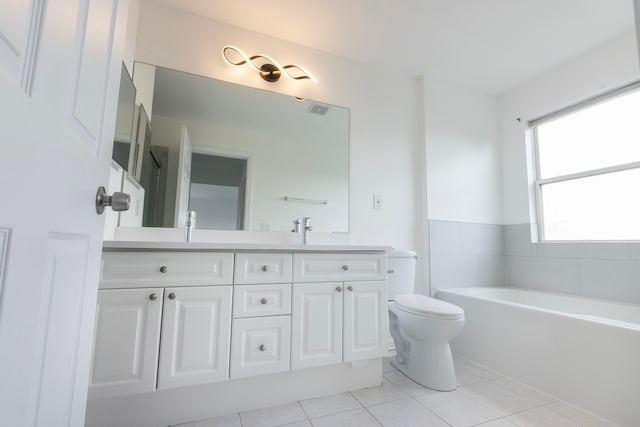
[(424, 306)]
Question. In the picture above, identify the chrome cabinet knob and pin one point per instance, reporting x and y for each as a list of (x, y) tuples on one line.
[(262, 347), (263, 301), (153, 297), (345, 267), (172, 296), (163, 269), (264, 268), (350, 288), (118, 201), (338, 288)]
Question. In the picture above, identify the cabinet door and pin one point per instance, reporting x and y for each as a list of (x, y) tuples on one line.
[(365, 320), (196, 330), (125, 346), (316, 331)]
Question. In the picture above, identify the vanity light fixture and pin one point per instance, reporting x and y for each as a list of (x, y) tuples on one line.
[(268, 68)]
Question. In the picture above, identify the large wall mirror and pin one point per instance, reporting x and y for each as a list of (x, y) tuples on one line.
[(240, 157)]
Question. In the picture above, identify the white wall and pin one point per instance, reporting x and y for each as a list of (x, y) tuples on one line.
[(386, 151), (129, 53), (464, 187), (463, 154)]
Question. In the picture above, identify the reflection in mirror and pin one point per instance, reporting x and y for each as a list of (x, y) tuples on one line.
[(260, 159), (124, 150)]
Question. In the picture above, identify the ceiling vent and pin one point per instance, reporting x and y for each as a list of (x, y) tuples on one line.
[(318, 109)]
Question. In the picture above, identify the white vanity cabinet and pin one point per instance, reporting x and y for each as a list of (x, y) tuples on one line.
[(175, 333), (339, 308), (170, 318)]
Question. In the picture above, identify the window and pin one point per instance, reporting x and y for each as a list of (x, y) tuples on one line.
[(587, 161)]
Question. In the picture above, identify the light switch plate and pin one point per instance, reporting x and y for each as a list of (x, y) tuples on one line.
[(377, 201)]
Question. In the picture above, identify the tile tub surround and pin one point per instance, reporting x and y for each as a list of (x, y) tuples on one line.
[(483, 398), (607, 270), (466, 254)]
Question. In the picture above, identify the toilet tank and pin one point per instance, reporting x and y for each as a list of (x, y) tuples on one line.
[(401, 269)]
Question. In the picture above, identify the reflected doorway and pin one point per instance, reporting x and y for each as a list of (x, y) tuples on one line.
[(218, 191)]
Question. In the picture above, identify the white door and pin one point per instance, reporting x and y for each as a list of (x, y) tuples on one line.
[(184, 180), (316, 325), (365, 320), (126, 343), (59, 76), (196, 336)]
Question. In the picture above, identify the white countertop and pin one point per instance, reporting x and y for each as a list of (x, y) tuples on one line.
[(213, 246)]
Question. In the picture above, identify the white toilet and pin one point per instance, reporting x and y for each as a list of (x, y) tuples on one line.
[(421, 327)]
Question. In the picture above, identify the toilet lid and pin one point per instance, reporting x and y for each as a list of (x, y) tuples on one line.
[(423, 305)]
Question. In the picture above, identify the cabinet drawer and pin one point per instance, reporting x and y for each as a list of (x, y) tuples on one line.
[(251, 268), (260, 345), (121, 269), (339, 267), (261, 300)]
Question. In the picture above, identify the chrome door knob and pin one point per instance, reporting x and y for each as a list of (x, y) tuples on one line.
[(263, 301), (163, 269), (338, 288), (264, 268), (350, 288), (345, 267), (118, 201), (172, 296), (153, 297)]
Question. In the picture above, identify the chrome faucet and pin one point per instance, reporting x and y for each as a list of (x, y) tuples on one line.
[(306, 228), (191, 224)]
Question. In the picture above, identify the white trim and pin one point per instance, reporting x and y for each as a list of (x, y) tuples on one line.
[(597, 99), (589, 173)]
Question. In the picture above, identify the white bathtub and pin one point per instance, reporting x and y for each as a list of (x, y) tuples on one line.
[(581, 350)]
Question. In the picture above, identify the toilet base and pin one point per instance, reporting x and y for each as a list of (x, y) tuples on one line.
[(429, 364)]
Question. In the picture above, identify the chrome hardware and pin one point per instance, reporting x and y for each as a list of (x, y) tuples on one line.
[(350, 288), (163, 269), (172, 296), (338, 288), (263, 301), (296, 226), (191, 224), (390, 271), (345, 267), (153, 297), (264, 268), (306, 228), (118, 201), (262, 347)]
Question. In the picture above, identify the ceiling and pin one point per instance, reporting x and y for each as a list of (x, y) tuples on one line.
[(485, 45)]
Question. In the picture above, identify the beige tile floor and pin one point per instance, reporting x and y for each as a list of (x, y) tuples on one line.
[(483, 398)]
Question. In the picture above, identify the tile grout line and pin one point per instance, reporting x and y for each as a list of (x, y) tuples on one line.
[(428, 409)]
